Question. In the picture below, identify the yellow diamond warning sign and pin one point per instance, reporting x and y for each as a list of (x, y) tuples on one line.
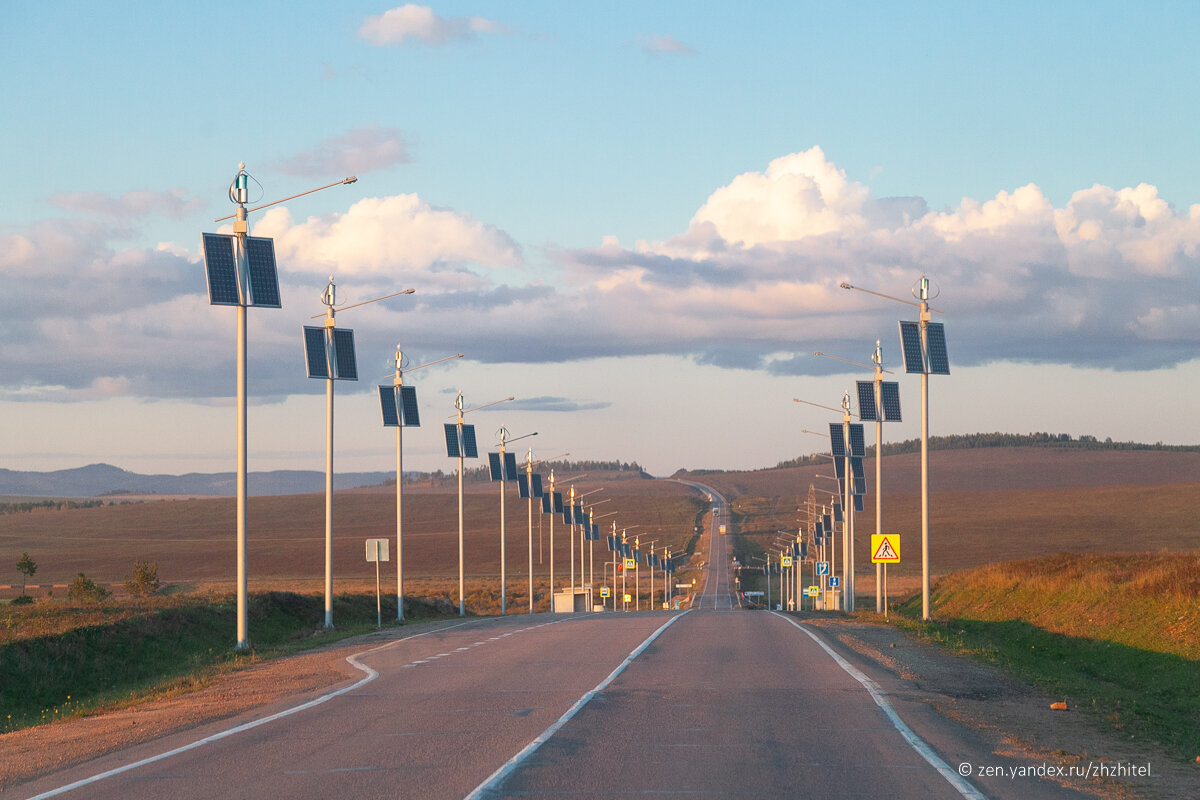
[(885, 548)]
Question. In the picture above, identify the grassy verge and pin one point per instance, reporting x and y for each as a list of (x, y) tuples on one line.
[(1117, 636), (60, 661)]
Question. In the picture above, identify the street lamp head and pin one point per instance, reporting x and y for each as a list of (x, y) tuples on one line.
[(845, 285)]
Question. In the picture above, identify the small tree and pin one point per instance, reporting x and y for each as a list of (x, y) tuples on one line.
[(27, 566), (84, 588), (143, 582)]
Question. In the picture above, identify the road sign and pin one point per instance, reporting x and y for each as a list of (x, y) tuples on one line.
[(631, 563), (822, 567), (885, 548), (812, 591), (628, 598), (834, 581), (605, 592), (787, 561), (377, 550)]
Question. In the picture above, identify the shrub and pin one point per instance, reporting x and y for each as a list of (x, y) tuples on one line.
[(22, 600), (143, 582), (84, 588)]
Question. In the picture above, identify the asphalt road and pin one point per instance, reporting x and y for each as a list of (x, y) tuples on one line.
[(713, 702)]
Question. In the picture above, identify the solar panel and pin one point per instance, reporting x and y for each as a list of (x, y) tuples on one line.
[(537, 485), (345, 365), (469, 448), (890, 392), (494, 465), (595, 537), (910, 347), (858, 503), (860, 486), (314, 352), (804, 550), (612, 543), (408, 407), (510, 466), (837, 512), (839, 468), (452, 448), (546, 504), (558, 503), (580, 517), (935, 342), (220, 268), (857, 445), (866, 401), (260, 266), (837, 442), (819, 532), (387, 404), (523, 487), (856, 466), (829, 523)]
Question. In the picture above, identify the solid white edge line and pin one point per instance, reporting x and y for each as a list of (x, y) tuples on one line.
[(287, 712), (963, 787), (497, 777)]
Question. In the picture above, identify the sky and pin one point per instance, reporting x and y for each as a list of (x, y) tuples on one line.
[(632, 217)]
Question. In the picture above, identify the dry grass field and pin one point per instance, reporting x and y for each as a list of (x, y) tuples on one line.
[(193, 540), (995, 504)]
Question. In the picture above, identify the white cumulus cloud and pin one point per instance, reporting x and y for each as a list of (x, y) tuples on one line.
[(411, 22)]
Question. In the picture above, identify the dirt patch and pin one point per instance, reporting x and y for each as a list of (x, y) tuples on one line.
[(1013, 717)]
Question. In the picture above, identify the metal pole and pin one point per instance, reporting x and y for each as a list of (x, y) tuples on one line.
[(461, 603), (243, 642), (503, 609), (329, 503), (652, 578), (529, 485), (924, 496), (637, 581), (400, 525), (378, 597), (552, 609), (571, 536)]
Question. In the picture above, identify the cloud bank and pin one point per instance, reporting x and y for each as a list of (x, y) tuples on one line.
[(1110, 279), (356, 152)]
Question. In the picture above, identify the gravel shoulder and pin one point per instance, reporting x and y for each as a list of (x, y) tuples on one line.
[(1014, 719)]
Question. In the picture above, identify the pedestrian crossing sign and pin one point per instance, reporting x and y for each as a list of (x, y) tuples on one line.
[(885, 548)]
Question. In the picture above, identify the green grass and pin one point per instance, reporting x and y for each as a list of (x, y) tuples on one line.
[(1116, 636), (152, 649)]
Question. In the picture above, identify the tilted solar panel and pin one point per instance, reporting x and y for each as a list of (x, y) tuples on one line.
[(523, 486), (260, 266), (890, 391), (452, 448), (387, 404), (857, 444), (510, 466), (346, 366), (220, 269), (314, 352), (408, 407), (494, 465), (837, 441), (470, 450), (910, 347), (935, 342), (537, 486), (866, 401)]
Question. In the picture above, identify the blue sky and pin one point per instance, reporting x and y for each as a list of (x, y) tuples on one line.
[(633, 217)]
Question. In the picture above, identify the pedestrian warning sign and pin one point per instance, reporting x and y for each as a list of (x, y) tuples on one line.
[(885, 548)]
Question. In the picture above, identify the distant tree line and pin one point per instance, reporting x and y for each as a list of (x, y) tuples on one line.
[(48, 505), (482, 472), (969, 441)]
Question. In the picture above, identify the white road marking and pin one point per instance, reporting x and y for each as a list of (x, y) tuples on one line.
[(216, 737), (961, 786), (497, 777)]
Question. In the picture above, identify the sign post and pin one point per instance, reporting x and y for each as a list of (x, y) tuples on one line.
[(885, 549), (377, 550)]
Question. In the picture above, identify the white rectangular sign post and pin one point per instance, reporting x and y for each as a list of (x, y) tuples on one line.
[(377, 550)]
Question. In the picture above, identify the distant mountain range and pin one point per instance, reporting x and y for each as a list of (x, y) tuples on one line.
[(96, 480)]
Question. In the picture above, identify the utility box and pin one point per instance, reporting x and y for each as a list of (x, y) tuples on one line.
[(564, 603)]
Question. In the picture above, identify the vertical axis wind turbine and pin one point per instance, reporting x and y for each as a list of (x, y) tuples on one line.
[(923, 346), (240, 271), (398, 404)]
